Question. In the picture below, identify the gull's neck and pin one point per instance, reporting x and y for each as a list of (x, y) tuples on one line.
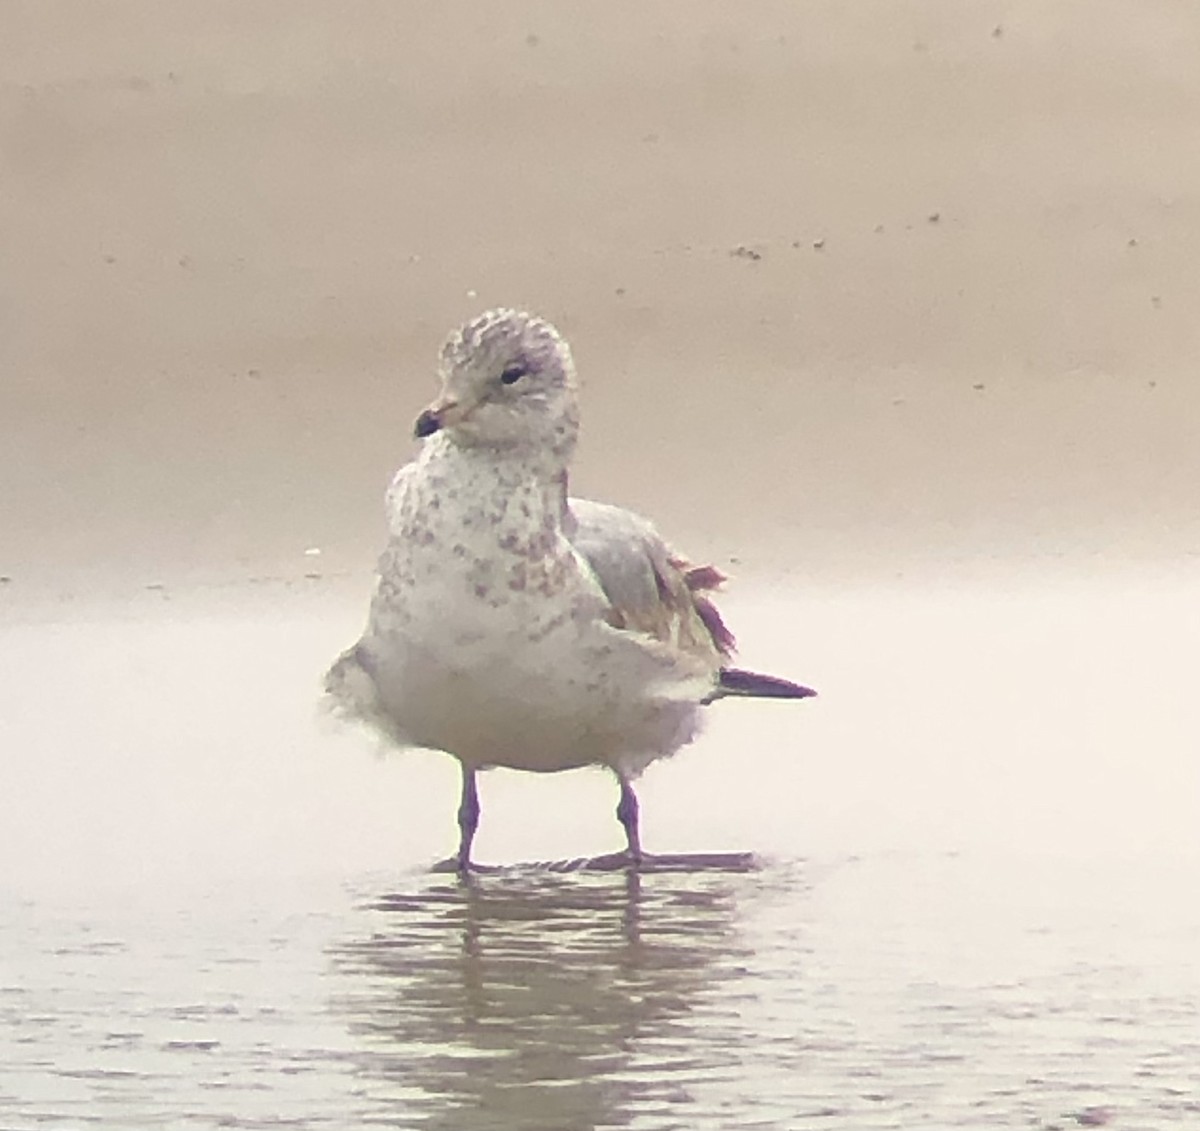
[(514, 466)]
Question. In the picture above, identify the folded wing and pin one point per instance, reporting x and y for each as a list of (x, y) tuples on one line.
[(649, 589), (652, 590)]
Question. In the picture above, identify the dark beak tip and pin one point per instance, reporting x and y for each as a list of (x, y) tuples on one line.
[(427, 424)]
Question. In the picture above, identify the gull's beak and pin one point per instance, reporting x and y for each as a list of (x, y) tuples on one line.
[(441, 414)]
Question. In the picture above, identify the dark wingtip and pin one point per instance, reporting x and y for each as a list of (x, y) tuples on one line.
[(737, 681)]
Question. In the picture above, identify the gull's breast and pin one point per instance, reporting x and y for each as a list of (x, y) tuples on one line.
[(577, 695), (488, 639)]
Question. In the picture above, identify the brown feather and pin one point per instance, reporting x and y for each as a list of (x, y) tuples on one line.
[(700, 578), (717, 629)]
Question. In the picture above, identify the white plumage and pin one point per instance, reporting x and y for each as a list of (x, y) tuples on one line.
[(514, 626)]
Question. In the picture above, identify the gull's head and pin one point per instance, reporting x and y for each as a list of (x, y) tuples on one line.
[(508, 382)]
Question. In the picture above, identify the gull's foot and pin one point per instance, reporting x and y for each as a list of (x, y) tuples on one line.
[(452, 865), (672, 862), (610, 862), (616, 862)]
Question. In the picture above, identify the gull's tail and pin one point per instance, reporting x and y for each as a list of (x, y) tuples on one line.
[(741, 683)]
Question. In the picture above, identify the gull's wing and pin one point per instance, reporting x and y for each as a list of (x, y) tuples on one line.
[(649, 589), (654, 591)]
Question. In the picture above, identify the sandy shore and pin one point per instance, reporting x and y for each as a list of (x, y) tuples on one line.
[(856, 290), (884, 296)]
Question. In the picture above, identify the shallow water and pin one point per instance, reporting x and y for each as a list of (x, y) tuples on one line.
[(976, 901)]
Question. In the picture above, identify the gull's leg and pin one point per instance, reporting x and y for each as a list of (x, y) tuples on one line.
[(627, 814), (468, 819)]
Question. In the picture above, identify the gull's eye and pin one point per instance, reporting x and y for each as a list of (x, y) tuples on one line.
[(513, 373)]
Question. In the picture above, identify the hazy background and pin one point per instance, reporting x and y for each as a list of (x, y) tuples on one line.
[(855, 289)]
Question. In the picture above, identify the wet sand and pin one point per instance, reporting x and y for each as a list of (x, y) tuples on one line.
[(889, 311), (974, 902)]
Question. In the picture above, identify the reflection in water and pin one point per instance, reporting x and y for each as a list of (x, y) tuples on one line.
[(522, 999), (1013, 940)]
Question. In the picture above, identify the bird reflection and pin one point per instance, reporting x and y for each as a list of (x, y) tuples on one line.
[(529, 999)]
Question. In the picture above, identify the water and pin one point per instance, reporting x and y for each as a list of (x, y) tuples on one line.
[(976, 903)]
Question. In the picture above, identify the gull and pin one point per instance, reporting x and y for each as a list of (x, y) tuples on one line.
[(513, 625)]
